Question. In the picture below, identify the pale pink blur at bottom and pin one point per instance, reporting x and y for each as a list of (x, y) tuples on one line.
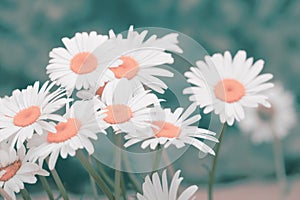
[(252, 191)]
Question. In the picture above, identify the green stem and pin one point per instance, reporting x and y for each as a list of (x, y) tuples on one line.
[(46, 187), (123, 187), (167, 161), (157, 159), (215, 162), (59, 184), (103, 173), (89, 168), (280, 165), (93, 184), (118, 167), (25, 194), (4, 194), (135, 182)]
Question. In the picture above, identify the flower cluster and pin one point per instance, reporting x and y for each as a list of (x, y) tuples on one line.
[(109, 81)]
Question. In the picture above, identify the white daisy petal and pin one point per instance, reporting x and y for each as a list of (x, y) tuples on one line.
[(33, 108), (225, 85), (263, 123), (156, 190), (80, 121)]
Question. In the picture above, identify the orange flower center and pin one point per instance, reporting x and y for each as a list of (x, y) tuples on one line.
[(10, 170), (128, 69), (229, 90), (117, 114), (100, 90), (64, 131), (165, 129), (83, 63), (27, 116)]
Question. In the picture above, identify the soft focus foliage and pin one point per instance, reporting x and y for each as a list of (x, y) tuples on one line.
[(266, 29)]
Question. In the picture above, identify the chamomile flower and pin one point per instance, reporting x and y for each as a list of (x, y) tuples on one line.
[(157, 189), (225, 85), (27, 112), (81, 63), (126, 107), (15, 169), (173, 128), (81, 125), (140, 59), (263, 123)]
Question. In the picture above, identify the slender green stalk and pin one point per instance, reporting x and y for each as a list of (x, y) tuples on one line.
[(168, 162), (123, 187), (103, 173), (46, 187), (4, 194), (118, 167), (89, 168), (280, 165), (215, 162), (135, 182), (157, 159), (25, 194), (59, 184), (93, 184)]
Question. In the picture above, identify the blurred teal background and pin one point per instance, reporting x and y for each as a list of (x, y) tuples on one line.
[(267, 29)]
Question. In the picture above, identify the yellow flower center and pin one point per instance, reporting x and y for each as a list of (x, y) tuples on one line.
[(117, 114), (128, 69), (165, 129), (83, 63), (64, 131), (10, 170), (27, 116), (229, 90)]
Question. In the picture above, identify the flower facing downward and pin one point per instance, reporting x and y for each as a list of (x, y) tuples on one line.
[(26, 112), (140, 59), (81, 125), (263, 123), (125, 107), (227, 85), (79, 65), (15, 169), (173, 128), (157, 189)]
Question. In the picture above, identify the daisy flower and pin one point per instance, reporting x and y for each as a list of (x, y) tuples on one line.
[(15, 169), (227, 85), (125, 107), (79, 65), (173, 128), (263, 123), (157, 189), (139, 59), (26, 112), (81, 125)]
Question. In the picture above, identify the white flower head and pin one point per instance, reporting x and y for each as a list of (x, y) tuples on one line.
[(173, 128), (126, 107), (82, 63), (157, 189), (15, 169), (140, 59), (81, 125), (226, 85), (263, 123), (27, 112)]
